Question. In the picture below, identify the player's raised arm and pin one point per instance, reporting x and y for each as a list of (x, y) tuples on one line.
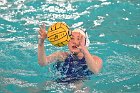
[(41, 50)]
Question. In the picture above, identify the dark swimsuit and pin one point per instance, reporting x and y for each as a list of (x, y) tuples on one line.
[(73, 69)]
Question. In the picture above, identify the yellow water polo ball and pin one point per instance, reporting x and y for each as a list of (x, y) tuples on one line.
[(59, 34)]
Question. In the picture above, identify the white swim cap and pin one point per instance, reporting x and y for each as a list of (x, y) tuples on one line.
[(84, 33)]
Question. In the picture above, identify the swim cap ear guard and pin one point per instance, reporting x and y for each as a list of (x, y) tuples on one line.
[(87, 42)]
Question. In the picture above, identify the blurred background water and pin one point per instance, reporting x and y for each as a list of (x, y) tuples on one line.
[(114, 31)]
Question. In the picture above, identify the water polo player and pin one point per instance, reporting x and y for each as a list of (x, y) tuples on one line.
[(77, 63)]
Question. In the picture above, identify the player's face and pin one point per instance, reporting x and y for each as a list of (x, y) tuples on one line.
[(75, 42)]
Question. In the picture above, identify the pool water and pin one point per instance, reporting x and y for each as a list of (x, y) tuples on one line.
[(114, 31)]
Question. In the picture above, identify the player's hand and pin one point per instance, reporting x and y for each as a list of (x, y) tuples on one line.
[(82, 46), (42, 32)]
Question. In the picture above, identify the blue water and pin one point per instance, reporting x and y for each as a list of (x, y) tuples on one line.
[(114, 31)]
